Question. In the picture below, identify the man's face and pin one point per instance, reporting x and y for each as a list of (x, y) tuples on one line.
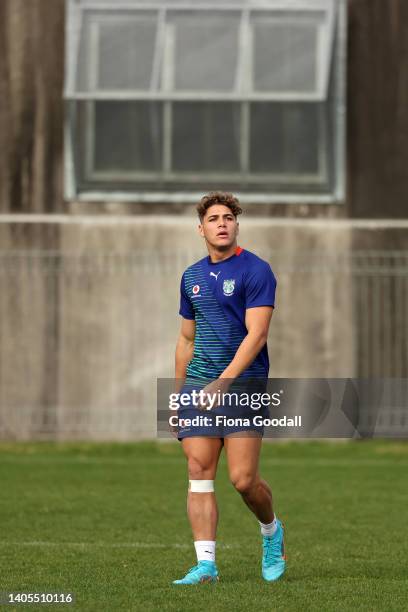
[(219, 226)]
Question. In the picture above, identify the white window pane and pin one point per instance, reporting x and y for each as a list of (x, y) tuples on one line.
[(126, 53), (206, 137), (285, 138), (128, 136), (205, 51), (285, 56), (117, 52)]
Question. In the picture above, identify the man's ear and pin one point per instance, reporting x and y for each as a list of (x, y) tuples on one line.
[(200, 230), (237, 228)]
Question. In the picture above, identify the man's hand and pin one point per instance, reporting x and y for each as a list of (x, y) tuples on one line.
[(212, 393), (174, 430)]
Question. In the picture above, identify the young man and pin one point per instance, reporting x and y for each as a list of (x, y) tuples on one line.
[(226, 304)]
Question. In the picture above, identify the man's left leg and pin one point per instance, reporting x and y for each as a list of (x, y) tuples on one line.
[(242, 451)]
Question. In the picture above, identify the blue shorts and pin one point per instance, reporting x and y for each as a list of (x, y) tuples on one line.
[(230, 418)]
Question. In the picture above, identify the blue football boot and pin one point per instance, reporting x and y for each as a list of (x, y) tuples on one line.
[(273, 558), (204, 571)]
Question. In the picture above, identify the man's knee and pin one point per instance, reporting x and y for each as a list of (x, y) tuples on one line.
[(198, 470), (243, 482)]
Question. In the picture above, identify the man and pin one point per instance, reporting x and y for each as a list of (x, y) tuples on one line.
[(227, 300)]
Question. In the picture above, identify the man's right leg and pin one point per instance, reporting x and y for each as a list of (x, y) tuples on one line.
[(202, 455)]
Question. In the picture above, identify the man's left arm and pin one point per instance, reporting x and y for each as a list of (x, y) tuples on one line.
[(260, 287), (257, 322)]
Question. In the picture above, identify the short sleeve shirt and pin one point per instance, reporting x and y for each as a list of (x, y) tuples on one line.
[(216, 296)]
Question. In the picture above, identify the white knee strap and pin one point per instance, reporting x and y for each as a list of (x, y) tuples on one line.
[(201, 486)]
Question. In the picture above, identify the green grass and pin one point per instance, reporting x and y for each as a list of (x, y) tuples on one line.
[(107, 522)]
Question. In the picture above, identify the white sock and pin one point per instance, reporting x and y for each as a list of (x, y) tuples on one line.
[(268, 529), (205, 550)]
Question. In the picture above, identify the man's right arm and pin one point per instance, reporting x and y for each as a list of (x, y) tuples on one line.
[(184, 349)]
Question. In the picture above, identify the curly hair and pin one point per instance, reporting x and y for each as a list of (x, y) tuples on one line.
[(218, 197)]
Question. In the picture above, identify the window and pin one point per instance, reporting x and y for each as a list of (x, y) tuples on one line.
[(166, 99)]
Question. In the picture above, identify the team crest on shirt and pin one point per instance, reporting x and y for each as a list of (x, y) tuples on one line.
[(228, 286)]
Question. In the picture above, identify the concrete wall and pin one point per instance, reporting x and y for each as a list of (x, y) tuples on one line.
[(89, 313)]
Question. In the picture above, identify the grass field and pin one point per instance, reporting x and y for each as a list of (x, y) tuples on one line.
[(107, 522)]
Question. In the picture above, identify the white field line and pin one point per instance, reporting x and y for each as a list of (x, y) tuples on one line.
[(146, 545)]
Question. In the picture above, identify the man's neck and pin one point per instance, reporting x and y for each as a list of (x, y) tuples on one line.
[(216, 255)]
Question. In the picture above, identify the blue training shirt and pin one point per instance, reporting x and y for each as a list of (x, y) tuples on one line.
[(216, 296)]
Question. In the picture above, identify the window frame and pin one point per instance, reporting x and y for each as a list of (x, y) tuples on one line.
[(243, 94)]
